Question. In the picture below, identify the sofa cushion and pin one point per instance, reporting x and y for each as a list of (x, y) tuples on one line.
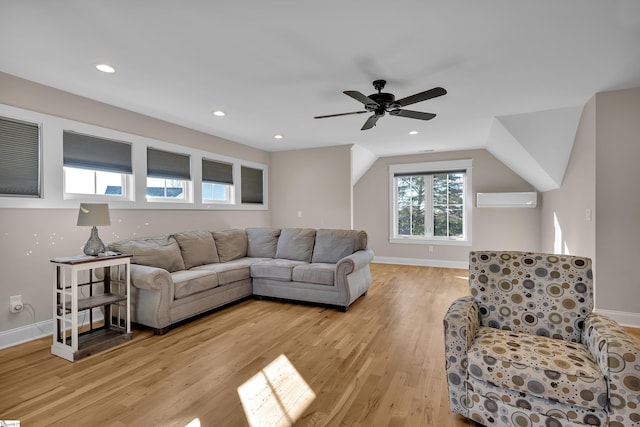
[(333, 245), (197, 248), (276, 269), (161, 252), (262, 242), (545, 367), (189, 282), (232, 271), (231, 244), (296, 244), (318, 274)]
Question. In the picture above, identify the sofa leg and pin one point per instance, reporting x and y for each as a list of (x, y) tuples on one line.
[(258, 297), (160, 331), (342, 309)]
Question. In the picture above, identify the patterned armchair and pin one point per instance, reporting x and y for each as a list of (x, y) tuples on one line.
[(525, 348)]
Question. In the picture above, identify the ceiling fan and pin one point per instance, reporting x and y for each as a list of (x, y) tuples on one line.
[(381, 103)]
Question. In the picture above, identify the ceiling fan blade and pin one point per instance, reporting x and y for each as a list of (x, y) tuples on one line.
[(412, 114), (371, 122), (360, 97), (422, 96), (340, 114)]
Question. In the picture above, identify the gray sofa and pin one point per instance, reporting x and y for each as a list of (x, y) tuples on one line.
[(178, 276)]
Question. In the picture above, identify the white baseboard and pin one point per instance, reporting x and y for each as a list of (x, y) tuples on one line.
[(26, 333), (622, 317), (422, 262), (35, 330)]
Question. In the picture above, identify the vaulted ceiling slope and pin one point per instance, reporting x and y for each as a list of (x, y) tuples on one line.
[(273, 65)]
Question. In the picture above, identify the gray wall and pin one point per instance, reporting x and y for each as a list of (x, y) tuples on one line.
[(492, 228), (603, 176), (29, 238), (311, 188)]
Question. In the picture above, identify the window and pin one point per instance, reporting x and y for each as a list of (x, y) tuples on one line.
[(217, 182), (96, 166), (252, 185), (168, 176), (429, 202), (19, 158)]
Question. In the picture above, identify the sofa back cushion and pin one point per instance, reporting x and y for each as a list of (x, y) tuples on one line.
[(333, 245), (231, 244), (296, 244), (262, 242), (162, 252), (197, 248)]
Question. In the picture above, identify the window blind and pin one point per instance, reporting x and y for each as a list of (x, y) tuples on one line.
[(401, 174), (220, 173), (95, 153), (168, 165), (19, 158), (251, 185)]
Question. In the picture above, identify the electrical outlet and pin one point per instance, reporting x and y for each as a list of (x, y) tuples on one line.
[(15, 302)]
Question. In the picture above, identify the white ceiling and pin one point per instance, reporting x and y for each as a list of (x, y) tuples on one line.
[(274, 64)]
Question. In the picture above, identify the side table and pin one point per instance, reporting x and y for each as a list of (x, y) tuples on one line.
[(73, 340)]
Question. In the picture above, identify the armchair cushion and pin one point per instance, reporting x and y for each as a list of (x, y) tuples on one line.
[(539, 366), (541, 294)]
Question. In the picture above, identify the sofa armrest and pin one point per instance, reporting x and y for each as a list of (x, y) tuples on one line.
[(152, 291), (618, 355), (461, 323), (353, 276), (353, 262)]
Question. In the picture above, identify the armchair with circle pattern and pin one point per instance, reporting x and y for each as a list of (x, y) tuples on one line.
[(525, 348)]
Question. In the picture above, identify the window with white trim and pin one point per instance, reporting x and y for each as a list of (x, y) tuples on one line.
[(217, 182), (168, 176), (96, 167), (430, 202)]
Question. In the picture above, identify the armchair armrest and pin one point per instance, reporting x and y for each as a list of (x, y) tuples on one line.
[(618, 355), (461, 323)]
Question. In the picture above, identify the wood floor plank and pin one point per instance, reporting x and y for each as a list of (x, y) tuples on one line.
[(379, 364)]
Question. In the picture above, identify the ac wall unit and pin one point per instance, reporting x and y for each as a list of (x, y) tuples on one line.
[(507, 200)]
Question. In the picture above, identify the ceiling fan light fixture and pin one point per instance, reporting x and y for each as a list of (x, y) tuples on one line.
[(105, 68)]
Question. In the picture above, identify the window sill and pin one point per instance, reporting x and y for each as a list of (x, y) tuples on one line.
[(441, 242)]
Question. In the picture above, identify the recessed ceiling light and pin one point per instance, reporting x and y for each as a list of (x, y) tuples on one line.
[(219, 113), (106, 68), (278, 136), (413, 132)]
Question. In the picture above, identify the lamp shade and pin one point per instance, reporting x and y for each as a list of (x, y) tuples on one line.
[(92, 214)]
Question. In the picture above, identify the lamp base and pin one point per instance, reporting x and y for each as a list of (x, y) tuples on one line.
[(94, 245)]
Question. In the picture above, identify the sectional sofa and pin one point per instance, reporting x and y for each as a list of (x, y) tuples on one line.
[(178, 276)]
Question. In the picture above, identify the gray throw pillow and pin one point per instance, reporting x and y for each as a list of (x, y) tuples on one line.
[(197, 248), (231, 244), (333, 245), (162, 252), (262, 242), (296, 244)]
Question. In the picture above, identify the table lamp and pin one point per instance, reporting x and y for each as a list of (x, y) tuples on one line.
[(93, 214)]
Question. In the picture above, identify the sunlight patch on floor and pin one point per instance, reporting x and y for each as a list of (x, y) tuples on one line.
[(275, 396), (194, 423)]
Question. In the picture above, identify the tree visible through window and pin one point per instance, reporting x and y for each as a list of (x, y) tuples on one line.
[(430, 205)]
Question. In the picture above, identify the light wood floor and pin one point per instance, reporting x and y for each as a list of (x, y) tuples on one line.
[(379, 364)]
